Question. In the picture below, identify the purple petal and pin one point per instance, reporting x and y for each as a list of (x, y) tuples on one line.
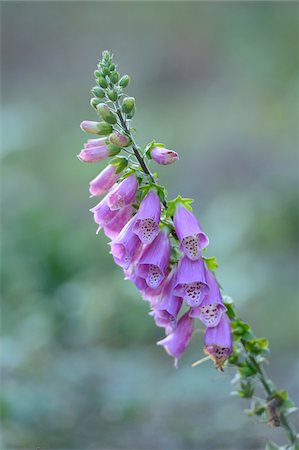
[(177, 341), (126, 245), (123, 193), (148, 218), (218, 342), (189, 232), (191, 282)]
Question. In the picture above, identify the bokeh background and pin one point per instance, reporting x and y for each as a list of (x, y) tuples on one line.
[(218, 83)]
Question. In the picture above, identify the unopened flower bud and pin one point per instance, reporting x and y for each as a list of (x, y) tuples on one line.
[(114, 77), (102, 82), (128, 105), (112, 67), (131, 114), (124, 81), (118, 139), (94, 102), (90, 126), (112, 95), (163, 156), (106, 71), (97, 73), (98, 92), (106, 114)]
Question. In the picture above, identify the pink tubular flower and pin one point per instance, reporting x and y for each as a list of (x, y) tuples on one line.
[(148, 218), (191, 281), (188, 230), (177, 341), (154, 260), (102, 214), (218, 342), (126, 245), (114, 227), (89, 126), (123, 193), (211, 308), (163, 156), (94, 150), (104, 181)]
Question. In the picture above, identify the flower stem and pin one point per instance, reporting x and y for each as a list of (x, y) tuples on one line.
[(139, 158), (270, 391)]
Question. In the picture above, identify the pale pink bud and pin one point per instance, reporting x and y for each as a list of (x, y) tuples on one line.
[(163, 156)]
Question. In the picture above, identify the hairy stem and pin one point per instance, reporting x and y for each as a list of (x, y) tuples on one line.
[(139, 158)]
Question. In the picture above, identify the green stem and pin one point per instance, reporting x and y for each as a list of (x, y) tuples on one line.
[(291, 432)]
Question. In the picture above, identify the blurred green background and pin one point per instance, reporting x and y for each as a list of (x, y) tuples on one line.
[(215, 82)]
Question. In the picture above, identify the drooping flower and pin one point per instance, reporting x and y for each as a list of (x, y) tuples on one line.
[(114, 227), (126, 245), (211, 307), (102, 214), (123, 193), (218, 342), (177, 341), (104, 181), (90, 126), (189, 232), (148, 218), (154, 260), (191, 281), (92, 153), (163, 156)]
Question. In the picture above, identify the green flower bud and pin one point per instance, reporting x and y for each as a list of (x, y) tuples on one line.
[(94, 102), (106, 71), (106, 114), (112, 67), (102, 82), (128, 105), (113, 150), (104, 129), (124, 81), (97, 73), (120, 162), (119, 140), (98, 92), (131, 114), (114, 77), (112, 95)]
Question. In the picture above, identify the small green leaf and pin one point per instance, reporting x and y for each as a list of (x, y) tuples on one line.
[(172, 204), (211, 262)]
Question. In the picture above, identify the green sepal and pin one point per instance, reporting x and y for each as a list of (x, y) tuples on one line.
[(256, 346), (228, 302), (211, 262), (172, 204), (242, 330), (104, 129), (246, 370), (124, 81), (246, 390), (120, 162), (113, 149)]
